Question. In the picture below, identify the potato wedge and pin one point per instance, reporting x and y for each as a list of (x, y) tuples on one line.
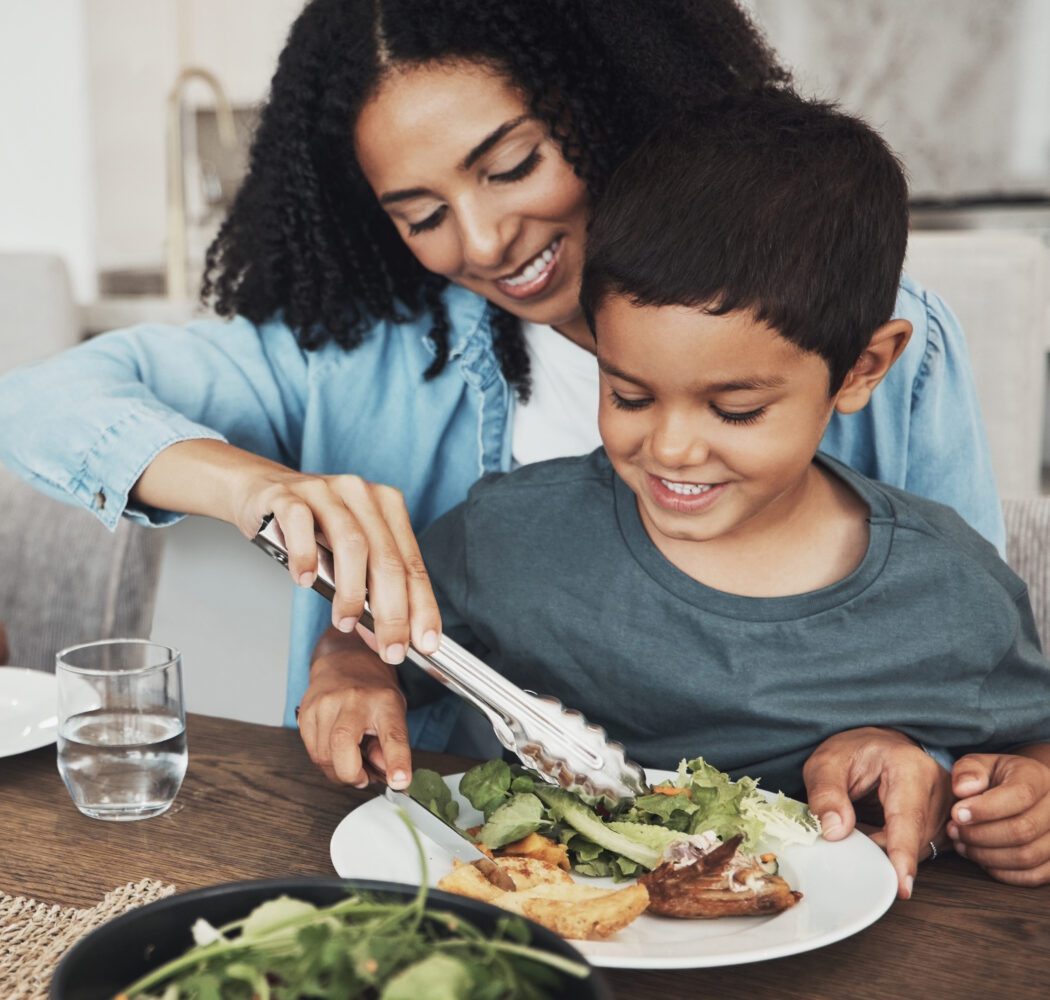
[(466, 880), (541, 848), (579, 912)]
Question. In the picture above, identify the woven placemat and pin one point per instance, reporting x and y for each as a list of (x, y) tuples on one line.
[(34, 936)]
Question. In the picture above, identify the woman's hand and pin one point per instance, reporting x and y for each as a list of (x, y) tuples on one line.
[(1002, 818), (353, 714), (912, 791), (366, 525)]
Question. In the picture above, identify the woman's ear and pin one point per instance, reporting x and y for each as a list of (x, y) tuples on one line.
[(886, 345)]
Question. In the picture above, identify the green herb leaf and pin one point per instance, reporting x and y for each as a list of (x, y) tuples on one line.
[(429, 789), (487, 785), (437, 977), (519, 816)]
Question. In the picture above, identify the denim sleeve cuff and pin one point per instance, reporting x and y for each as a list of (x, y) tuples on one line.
[(119, 457), (942, 756)]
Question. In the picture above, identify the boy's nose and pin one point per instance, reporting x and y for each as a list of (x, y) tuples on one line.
[(676, 443)]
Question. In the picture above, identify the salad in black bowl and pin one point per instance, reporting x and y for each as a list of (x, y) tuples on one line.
[(279, 939)]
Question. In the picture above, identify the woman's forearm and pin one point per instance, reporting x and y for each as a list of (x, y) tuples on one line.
[(202, 477)]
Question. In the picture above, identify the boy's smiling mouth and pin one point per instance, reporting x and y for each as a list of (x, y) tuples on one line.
[(684, 497)]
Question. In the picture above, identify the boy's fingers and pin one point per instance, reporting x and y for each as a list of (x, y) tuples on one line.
[(1023, 828), (1031, 857), (397, 757), (827, 792), (972, 774), (998, 803), (907, 833), (345, 742), (1024, 877)]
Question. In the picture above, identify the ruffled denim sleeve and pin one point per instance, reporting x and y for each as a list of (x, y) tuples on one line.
[(922, 430), (83, 426), (948, 454)]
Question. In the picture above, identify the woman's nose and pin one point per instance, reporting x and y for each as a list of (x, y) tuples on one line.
[(486, 237)]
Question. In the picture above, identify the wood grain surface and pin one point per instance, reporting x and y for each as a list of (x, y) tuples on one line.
[(253, 806)]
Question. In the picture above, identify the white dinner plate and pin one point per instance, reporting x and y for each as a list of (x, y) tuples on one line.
[(28, 710), (845, 885)]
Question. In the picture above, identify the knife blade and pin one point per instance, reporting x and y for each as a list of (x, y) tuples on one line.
[(450, 839)]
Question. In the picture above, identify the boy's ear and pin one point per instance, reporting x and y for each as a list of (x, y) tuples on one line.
[(886, 345)]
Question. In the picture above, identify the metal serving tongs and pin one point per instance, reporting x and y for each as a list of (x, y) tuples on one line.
[(558, 743)]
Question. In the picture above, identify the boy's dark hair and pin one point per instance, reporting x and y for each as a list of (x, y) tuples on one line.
[(785, 207)]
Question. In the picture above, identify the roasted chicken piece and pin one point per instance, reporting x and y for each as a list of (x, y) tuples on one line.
[(723, 882)]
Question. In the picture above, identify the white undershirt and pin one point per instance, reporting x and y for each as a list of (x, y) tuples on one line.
[(561, 416)]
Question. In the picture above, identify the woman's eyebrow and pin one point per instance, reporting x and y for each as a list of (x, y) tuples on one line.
[(489, 141), (467, 162)]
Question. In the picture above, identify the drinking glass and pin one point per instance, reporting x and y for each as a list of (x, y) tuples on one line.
[(121, 727)]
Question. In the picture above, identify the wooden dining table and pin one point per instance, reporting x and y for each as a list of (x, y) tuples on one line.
[(254, 806)]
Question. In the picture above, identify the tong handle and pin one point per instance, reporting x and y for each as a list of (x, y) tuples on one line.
[(270, 538)]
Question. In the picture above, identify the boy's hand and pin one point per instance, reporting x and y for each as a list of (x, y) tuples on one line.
[(1002, 818), (913, 790), (353, 716)]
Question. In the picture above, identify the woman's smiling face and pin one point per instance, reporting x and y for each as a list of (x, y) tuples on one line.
[(477, 188)]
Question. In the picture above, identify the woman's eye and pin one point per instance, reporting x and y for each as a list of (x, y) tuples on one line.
[(750, 417), (622, 403), (523, 169), (432, 221)]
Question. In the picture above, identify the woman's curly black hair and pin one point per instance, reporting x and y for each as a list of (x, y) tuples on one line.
[(306, 236)]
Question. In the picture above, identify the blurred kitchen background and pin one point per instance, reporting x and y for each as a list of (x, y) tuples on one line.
[(125, 128)]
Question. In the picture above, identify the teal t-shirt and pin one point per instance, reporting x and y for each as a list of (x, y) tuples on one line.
[(547, 573)]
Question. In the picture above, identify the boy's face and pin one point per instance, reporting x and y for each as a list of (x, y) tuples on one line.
[(712, 421)]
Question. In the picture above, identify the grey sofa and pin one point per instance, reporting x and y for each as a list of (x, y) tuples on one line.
[(65, 579)]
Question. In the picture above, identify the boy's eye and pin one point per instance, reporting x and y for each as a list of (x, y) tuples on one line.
[(622, 403), (750, 417), (432, 221), (523, 169)]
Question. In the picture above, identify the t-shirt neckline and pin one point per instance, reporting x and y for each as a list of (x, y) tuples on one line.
[(881, 521)]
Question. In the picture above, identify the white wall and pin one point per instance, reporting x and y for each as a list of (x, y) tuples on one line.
[(136, 49), (46, 184)]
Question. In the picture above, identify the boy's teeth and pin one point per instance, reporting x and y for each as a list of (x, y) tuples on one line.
[(686, 489)]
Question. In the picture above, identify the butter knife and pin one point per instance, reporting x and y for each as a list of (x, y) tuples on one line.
[(449, 838)]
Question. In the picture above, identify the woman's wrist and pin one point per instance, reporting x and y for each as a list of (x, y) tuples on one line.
[(203, 476)]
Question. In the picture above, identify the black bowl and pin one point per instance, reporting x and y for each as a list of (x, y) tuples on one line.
[(123, 950)]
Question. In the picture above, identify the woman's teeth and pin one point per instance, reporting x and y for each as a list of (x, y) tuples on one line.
[(534, 268), (686, 489)]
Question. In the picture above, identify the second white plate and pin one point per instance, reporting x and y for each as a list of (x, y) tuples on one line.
[(28, 710)]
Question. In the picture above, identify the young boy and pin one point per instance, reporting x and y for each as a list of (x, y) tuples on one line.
[(708, 583)]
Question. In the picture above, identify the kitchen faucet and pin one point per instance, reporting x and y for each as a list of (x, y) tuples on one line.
[(176, 272)]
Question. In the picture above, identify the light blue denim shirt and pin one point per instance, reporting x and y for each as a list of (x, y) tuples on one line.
[(82, 426)]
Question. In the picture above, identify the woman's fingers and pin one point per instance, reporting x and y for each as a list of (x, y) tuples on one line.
[(387, 575), (425, 619)]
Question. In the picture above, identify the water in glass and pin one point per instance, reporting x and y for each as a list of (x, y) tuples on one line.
[(122, 765), (121, 727)]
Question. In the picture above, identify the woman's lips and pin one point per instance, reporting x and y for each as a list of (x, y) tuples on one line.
[(544, 268), (684, 502)]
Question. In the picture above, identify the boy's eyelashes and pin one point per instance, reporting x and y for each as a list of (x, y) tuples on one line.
[(726, 416), (517, 173)]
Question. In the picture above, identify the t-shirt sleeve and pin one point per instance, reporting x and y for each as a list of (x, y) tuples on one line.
[(1015, 697), (444, 549)]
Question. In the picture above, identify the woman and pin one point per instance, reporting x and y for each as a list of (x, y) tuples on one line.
[(417, 197)]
